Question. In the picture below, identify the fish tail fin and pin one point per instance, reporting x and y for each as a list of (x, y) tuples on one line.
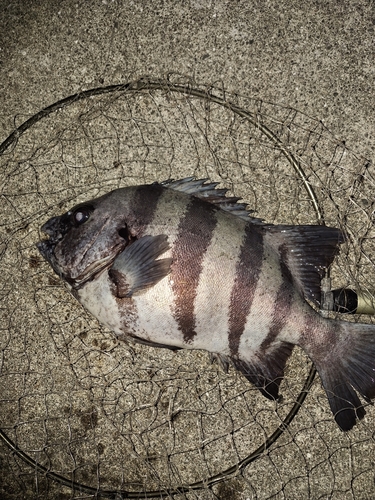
[(347, 368)]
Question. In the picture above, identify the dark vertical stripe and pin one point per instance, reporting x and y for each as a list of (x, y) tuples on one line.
[(282, 307), (248, 269), (194, 235), (143, 206)]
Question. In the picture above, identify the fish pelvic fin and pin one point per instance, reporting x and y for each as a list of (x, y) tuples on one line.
[(137, 267), (266, 371), (349, 367)]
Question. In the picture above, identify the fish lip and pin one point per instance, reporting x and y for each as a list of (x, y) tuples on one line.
[(84, 278), (46, 248), (56, 228), (47, 229)]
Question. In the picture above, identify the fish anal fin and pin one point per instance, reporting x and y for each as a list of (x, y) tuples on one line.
[(266, 370), (307, 251), (138, 268)]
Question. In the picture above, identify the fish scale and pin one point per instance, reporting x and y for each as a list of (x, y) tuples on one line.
[(248, 272), (194, 236), (219, 266), (180, 265)]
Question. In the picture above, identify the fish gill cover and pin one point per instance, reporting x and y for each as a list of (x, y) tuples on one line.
[(88, 416)]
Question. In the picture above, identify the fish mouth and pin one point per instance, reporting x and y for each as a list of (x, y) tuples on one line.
[(76, 273), (91, 272), (55, 228), (46, 248)]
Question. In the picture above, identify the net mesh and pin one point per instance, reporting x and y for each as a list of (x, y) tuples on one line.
[(86, 416)]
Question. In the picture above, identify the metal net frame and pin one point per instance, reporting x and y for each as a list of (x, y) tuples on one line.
[(89, 417)]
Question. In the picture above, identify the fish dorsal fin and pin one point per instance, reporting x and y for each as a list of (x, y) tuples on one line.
[(307, 251), (207, 191)]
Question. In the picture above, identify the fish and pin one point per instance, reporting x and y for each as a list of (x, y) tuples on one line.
[(179, 264)]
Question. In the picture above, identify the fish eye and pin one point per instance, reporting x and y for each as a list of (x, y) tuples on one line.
[(80, 215)]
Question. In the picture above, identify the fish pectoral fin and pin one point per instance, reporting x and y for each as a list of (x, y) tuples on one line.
[(137, 267), (267, 371)]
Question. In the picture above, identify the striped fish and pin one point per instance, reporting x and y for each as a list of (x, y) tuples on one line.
[(179, 264)]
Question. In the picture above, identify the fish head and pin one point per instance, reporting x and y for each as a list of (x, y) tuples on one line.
[(85, 240)]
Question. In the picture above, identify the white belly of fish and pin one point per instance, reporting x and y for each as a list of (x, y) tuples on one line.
[(146, 315), (97, 298)]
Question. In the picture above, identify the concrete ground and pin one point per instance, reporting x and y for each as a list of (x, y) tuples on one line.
[(317, 57)]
